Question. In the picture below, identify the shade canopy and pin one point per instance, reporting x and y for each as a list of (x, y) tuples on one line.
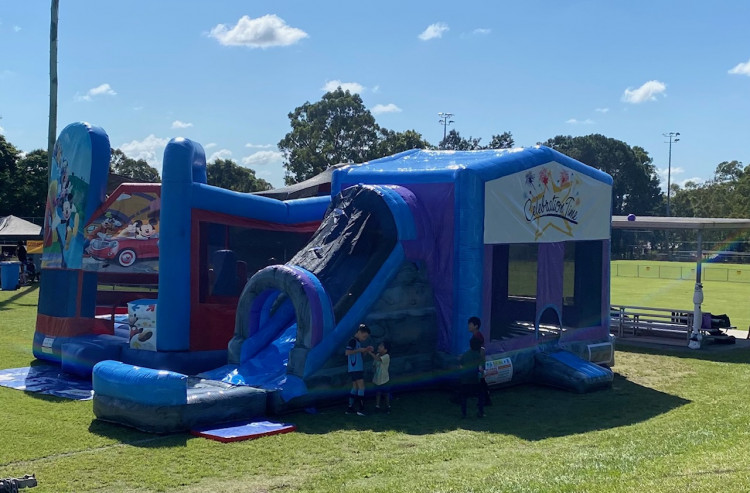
[(15, 228)]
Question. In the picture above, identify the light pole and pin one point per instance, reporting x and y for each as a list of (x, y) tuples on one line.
[(445, 121), (672, 136)]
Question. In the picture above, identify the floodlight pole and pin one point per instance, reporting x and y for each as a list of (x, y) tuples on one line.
[(671, 136), (445, 121)]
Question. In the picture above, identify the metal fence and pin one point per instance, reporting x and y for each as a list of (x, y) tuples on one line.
[(679, 272)]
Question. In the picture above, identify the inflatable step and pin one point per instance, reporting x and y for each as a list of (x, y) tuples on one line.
[(567, 371)]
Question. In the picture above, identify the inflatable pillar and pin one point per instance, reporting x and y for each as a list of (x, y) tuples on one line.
[(77, 186), (184, 165), (468, 260)]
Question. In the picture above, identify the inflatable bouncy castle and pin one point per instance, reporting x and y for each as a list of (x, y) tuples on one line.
[(257, 297)]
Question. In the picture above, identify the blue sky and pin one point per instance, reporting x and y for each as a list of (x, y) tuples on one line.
[(227, 73)]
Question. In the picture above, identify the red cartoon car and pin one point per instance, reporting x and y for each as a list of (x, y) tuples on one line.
[(125, 250)]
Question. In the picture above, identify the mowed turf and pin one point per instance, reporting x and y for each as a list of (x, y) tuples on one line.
[(726, 287), (671, 422)]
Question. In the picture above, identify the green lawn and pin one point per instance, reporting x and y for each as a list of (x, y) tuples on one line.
[(676, 422), (669, 291)]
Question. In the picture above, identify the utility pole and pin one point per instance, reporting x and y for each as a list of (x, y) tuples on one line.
[(672, 138), (52, 128), (445, 120)]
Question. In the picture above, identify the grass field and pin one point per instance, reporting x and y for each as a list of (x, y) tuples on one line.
[(731, 298), (674, 422)]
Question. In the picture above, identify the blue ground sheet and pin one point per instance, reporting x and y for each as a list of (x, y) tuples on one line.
[(47, 379)]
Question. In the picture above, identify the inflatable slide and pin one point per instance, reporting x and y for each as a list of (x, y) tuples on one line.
[(291, 319)]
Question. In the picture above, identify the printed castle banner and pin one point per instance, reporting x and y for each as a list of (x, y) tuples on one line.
[(545, 204)]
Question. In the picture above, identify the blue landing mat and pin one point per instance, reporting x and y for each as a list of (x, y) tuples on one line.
[(47, 379), (242, 431)]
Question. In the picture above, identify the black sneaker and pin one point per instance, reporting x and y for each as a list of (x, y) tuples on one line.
[(350, 410)]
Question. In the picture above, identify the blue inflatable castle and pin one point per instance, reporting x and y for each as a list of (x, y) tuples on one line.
[(258, 295)]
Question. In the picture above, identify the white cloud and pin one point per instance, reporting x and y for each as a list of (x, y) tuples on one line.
[(482, 31), (179, 124), (647, 92), (2, 130), (137, 108), (220, 154), (263, 158), (258, 146), (210, 145), (150, 149), (587, 121), (385, 108), (695, 179), (434, 31), (741, 68), (101, 90), (602, 110), (16, 28), (676, 170), (262, 32), (376, 89), (352, 87)]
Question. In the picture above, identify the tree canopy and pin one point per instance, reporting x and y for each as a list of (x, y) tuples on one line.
[(225, 173), (454, 142), (391, 142), (636, 183), (338, 129), (727, 194), (24, 181), (138, 169), (502, 141), (31, 184)]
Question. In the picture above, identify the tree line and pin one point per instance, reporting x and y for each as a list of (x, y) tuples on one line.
[(23, 191), (340, 129)]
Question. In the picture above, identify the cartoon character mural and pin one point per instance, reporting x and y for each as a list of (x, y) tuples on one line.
[(123, 236), (65, 198)]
